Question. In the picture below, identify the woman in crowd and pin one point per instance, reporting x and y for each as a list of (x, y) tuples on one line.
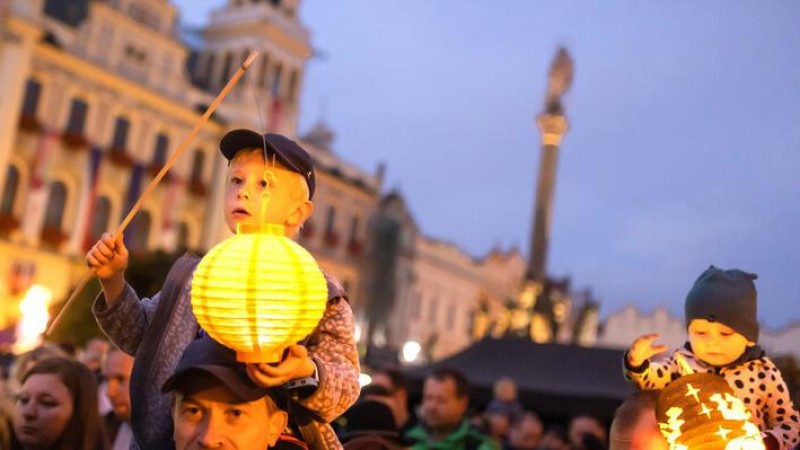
[(56, 408)]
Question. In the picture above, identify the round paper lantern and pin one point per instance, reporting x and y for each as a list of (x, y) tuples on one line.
[(701, 412), (258, 293)]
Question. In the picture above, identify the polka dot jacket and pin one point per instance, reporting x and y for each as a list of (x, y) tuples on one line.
[(757, 381)]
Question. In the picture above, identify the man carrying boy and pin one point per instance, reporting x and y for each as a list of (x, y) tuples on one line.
[(216, 405), (723, 331), (157, 330)]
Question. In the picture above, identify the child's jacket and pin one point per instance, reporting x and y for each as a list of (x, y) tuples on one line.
[(754, 378)]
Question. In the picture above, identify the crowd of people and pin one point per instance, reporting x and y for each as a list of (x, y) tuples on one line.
[(54, 398)]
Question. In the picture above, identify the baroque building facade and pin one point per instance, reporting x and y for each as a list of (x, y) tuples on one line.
[(95, 96)]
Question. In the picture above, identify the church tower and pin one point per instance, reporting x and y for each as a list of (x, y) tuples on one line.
[(267, 98)]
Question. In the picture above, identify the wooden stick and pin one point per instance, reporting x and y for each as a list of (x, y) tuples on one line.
[(161, 173)]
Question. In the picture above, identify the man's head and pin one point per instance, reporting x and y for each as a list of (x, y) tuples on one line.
[(270, 180), (505, 390), (526, 432), (583, 427), (721, 315), (395, 384), (444, 398), (216, 403), (634, 426), (117, 369)]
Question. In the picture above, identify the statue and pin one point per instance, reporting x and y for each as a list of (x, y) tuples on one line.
[(559, 81)]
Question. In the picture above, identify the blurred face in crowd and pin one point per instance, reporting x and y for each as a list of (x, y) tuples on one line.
[(553, 441), (526, 434), (117, 372), (215, 417), (505, 390), (441, 407), (715, 343), (498, 425), (582, 425), (398, 396), (92, 354), (43, 409)]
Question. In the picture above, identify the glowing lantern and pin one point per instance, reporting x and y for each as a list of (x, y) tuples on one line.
[(700, 411), (258, 293)]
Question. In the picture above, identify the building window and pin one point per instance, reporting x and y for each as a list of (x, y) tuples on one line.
[(55, 206), (101, 214), (139, 232), (160, 153), (71, 12), (77, 116), (10, 191), (183, 237), (276, 81), (331, 238), (293, 79), (263, 73), (203, 76), (354, 229), (33, 90), (330, 219), (197, 165), (121, 128), (226, 68)]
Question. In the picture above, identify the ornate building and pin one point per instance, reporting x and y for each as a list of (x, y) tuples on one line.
[(94, 97)]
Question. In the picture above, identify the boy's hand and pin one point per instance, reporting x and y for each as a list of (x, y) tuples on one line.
[(108, 258), (643, 349), (295, 365)]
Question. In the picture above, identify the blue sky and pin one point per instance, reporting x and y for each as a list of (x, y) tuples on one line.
[(683, 148)]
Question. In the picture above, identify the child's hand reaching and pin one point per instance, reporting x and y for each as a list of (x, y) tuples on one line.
[(295, 365), (643, 349)]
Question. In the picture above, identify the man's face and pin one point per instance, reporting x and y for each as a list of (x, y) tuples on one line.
[(216, 418), (257, 193), (441, 407), (527, 434), (117, 372), (715, 343)]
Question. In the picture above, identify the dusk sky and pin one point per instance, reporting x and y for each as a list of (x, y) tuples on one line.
[(683, 148)]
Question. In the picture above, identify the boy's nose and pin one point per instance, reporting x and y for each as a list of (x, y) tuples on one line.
[(243, 193)]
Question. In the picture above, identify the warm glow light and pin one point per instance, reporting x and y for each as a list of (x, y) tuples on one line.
[(33, 319), (411, 351), (259, 293), (364, 379), (701, 411), (357, 333)]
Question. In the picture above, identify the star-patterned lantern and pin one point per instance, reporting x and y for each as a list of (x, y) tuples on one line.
[(258, 293), (700, 412)]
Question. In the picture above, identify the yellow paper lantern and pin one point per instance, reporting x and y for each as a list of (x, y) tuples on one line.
[(700, 412), (258, 293)]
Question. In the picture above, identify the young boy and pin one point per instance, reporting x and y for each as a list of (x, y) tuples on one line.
[(723, 331), (157, 330)]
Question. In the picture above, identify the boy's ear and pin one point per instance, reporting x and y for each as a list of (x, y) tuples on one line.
[(302, 211)]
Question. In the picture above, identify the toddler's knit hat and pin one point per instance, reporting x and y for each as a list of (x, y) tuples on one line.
[(727, 297)]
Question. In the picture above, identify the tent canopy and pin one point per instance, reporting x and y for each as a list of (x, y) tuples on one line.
[(556, 381)]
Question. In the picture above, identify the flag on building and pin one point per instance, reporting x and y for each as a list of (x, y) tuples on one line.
[(38, 188)]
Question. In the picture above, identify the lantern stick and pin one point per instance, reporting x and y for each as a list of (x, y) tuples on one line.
[(161, 173)]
